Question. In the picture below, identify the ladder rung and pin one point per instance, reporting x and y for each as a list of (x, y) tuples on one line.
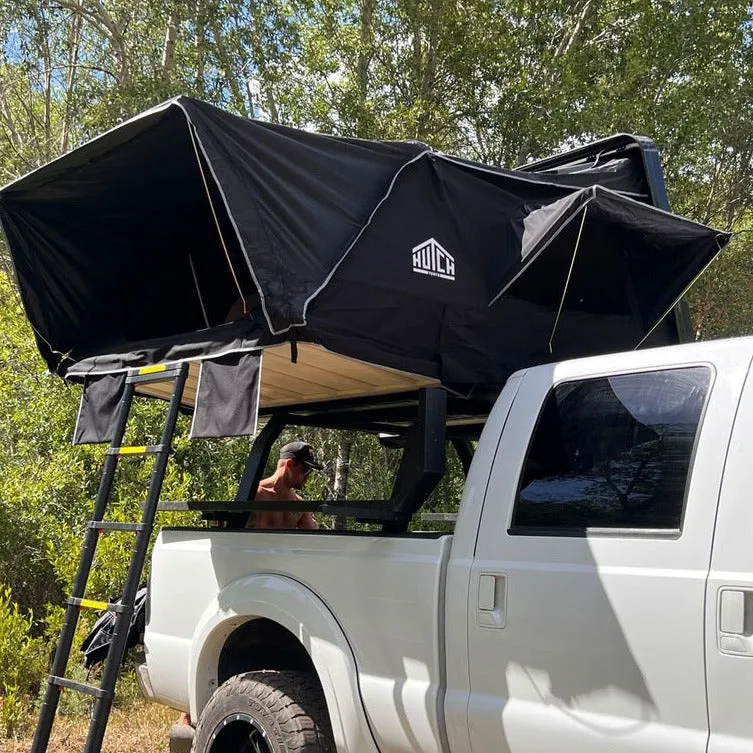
[(161, 373), (138, 450), (81, 687), (100, 605), (109, 525)]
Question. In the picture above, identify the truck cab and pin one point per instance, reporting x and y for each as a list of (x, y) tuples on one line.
[(607, 598)]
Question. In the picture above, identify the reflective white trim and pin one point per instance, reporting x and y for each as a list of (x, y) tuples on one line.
[(595, 190), (353, 243), (198, 290), (209, 357), (504, 172), (147, 113), (78, 417), (258, 395), (230, 217), (196, 400), (575, 207), (648, 334)]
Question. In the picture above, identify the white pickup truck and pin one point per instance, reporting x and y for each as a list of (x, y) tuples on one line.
[(596, 594)]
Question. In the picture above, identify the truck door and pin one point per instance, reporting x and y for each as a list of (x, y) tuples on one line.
[(729, 595), (585, 609)]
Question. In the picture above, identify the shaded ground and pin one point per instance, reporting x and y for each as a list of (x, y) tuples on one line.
[(142, 727)]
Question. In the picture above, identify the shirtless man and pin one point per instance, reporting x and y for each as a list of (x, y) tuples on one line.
[(296, 462)]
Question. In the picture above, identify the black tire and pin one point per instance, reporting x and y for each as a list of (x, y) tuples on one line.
[(266, 712)]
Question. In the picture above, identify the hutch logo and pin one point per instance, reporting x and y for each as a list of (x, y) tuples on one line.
[(429, 258)]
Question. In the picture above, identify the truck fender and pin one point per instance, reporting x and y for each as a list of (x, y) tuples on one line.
[(295, 607)]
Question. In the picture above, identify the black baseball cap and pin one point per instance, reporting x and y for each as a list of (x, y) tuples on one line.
[(301, 452)]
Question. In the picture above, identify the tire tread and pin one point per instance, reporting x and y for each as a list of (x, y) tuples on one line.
[(293, 698)]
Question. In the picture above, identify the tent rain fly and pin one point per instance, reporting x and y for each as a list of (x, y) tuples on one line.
[(190, 233)]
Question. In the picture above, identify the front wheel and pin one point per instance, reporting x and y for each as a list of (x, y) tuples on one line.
[(265, 712)]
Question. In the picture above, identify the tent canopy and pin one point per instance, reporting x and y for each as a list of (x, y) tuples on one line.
[(188, 232)]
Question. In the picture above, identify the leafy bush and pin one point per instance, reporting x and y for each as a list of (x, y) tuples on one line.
[(22, 665), (24, 564)]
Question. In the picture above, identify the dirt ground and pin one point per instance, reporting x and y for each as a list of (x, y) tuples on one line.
[(142, 727)]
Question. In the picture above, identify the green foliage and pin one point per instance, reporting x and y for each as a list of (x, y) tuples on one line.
[(722, 300), (503, 82), (22, 665), (26, 570)]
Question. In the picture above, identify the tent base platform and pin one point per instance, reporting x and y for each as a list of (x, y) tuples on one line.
[(317, 376)]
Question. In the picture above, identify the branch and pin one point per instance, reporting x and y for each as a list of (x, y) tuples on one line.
[(712, 193), (563, 50), (102, 20), (623, 496), (7, 117), (225, 63), (24, 162)]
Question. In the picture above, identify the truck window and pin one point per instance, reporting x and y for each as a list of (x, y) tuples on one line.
[(612, 452)]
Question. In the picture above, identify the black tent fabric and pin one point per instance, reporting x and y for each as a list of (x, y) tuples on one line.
[(227, 397), (606, 272), (96, 644), (226, 402), (191, 232), (100, 399)]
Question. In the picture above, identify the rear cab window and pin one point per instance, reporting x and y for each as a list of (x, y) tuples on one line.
[(612, 453)]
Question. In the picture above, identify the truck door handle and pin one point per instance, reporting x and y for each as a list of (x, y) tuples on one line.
[(491, 600), (736, 621)]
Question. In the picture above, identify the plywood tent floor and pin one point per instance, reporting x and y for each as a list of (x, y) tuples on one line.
[(318, 375)]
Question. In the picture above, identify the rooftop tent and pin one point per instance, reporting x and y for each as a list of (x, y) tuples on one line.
[(188, 232), (129, 239)]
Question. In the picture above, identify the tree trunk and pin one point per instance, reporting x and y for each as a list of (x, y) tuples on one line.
[(168, 49), (98, 16), (43, 40), (342, 471), (75, 41), (274, 114), (569, 40), (201, 43), (226, 67), (365, 52), (425, 59)]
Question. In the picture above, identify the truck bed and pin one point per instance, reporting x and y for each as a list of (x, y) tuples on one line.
[(386, 592)]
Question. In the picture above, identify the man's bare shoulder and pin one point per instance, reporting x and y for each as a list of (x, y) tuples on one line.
[(265, 494)]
